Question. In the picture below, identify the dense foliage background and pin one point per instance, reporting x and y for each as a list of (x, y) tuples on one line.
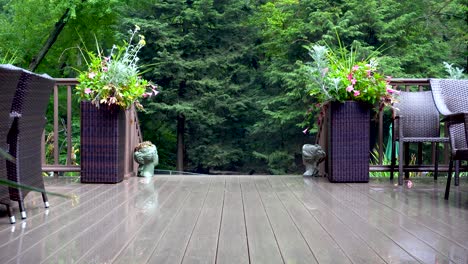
[(233, 97)]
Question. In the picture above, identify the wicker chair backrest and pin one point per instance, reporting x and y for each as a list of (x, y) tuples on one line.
[(418, 116), (29, 106), (9, 76), (32, 94), (451, 97)]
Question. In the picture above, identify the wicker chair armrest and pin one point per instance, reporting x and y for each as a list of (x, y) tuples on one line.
[(455, 118)]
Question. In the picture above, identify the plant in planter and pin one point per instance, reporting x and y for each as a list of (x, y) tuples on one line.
[(115, 79), (110, 86), (348, 88)]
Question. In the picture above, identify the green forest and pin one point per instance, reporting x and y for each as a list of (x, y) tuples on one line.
[(233, 95)]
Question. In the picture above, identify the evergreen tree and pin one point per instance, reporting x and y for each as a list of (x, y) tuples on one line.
[(203, 60)]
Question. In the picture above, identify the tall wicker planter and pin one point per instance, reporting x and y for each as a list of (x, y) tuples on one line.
[(102, 143), (348, 142)]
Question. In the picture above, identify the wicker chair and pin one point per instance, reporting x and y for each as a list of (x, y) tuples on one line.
[(28, 110), (9, 77), (451, 99), (416, 121)]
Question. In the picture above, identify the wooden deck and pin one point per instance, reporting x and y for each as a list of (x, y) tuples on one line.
[(240, 219)]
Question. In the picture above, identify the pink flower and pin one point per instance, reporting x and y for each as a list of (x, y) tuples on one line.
[(87, 90), (355, 67), (106, 58), (357, 93), (305, 130), (350, 76), (105, 69), (155, 92), (368, 73), (91, 75), (391, 91), (147, 94), (349, 88), (353, 81)]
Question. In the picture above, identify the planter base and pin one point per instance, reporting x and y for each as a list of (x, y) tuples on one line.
[(102, 144), (348, 142)]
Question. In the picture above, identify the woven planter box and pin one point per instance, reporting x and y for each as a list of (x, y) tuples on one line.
[(102, 143), (348, 142)]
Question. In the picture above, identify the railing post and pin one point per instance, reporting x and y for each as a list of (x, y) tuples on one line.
[(56, 137), (56, 167), (381, 137), (69, 125)]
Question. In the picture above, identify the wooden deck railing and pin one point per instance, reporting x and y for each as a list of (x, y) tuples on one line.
[(61, 133)]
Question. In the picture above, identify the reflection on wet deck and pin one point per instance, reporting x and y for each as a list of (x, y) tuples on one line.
[(240, 219)]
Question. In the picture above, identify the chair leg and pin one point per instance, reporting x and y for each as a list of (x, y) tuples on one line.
[(10, 215), (46, 201), (392, 162), (449, 179), (400, 163), (407, 158), (436, 162), (457, 172), (22, 210)]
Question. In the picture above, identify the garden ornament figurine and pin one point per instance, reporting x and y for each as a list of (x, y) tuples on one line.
[(312, 155), (146, 155)]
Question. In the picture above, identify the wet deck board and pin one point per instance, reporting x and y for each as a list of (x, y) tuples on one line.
[(240, 219)]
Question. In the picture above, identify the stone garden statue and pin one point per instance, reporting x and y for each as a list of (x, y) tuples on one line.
[(312, 155), (146, 155)]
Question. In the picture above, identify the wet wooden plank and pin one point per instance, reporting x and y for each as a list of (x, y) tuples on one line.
[(422, 199), (138, 214), (353, 246), (322, 244), (35, 206), (263, 247), (255, 217), (41, 216), (203, 243), (140, 248), (382, 244), (232, 246), (94, 234), (62, 232), (414, 206), (171, 248), (60, 217), (421, 242), (453, 212), (292, 244)]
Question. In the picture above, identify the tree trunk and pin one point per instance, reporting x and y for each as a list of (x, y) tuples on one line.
[(180, 142), (50, 41)]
